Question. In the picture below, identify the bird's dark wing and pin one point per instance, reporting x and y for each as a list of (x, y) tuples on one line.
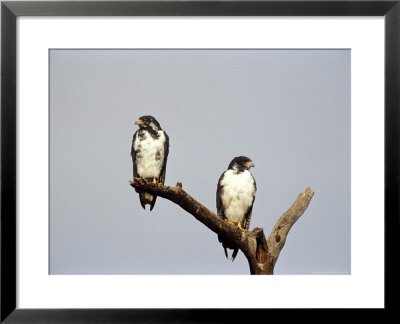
[(142, 196), (166, 151), (220, 207), (133, 155), (247, 216), (161, 177)]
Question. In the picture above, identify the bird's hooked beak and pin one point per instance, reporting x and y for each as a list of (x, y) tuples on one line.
[(249, 164), (139, 122)]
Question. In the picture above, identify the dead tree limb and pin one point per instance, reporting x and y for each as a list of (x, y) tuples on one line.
[(261, 253)]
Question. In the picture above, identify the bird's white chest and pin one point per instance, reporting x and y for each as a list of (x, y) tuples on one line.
[(149, 154), (237, 194)]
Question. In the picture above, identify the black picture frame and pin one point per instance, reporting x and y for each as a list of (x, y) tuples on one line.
[(10, 10)]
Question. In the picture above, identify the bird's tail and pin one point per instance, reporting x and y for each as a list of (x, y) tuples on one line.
[(147, 199), (225, 246), (234, 254)]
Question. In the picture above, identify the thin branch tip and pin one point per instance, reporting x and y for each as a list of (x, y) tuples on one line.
[(309, 191)]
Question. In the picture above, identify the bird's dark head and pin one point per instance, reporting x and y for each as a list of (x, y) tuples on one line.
[(148, 121), (241, 163)]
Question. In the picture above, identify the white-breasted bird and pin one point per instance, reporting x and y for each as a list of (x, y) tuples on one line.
[(149, 151), (236, 191)]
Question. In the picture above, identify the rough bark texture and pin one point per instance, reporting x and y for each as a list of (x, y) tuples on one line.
[(261, 253)]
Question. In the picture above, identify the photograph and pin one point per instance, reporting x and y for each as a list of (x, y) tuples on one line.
[(244, 133), (161, 158)]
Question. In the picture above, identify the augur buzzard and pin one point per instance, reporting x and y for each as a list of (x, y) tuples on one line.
[(236, 192), (150, 147)]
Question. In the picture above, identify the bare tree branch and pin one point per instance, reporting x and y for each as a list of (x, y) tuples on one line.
[(277, 238), (260, 252)]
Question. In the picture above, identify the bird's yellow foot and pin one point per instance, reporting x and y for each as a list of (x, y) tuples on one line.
[(141, 179), (229, 222), (241, 228), (154, 180)]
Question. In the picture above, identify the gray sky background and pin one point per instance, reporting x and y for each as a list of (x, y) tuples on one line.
[(288, 110)]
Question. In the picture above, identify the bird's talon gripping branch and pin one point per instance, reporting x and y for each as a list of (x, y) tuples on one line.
[(141, 179), (241, 228), (230, 223)]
